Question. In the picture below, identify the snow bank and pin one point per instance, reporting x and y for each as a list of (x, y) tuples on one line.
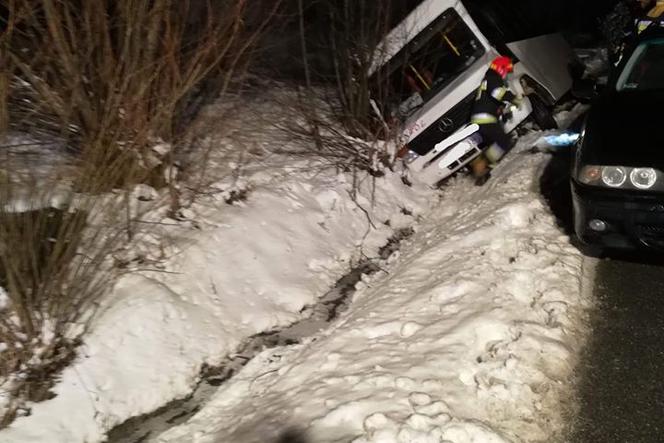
[(471, 337), (233, 271)]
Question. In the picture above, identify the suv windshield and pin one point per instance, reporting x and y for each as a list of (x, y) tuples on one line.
[(645, 68), (427, 64)]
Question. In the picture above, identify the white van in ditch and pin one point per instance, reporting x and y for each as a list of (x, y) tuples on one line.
[(426, 71)]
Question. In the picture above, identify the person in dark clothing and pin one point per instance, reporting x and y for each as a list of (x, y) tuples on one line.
[(627, 19), (493, 96)]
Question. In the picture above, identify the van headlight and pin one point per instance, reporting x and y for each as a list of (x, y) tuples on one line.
[(622, 177), (410, 157), (643, 178)]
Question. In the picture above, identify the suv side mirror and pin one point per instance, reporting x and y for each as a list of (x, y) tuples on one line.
[(586, 90), (600, 85)]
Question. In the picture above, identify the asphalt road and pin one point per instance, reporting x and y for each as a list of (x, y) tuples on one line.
[(620, 377), (621, 385)]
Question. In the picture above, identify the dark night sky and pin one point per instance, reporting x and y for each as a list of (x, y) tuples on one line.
[(580, 15)]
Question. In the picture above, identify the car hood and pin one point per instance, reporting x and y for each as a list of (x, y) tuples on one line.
[(626, 129)]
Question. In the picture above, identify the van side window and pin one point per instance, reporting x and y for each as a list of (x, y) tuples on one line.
[(427, 64)]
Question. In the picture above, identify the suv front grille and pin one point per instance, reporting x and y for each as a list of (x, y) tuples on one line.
[(652, 229)]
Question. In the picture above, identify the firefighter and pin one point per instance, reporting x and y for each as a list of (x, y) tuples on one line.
[(657, 10), (655, 16), (493, 96)]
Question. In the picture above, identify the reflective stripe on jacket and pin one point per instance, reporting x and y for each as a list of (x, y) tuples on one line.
[(491, 95), (483, 118), (644, 23)]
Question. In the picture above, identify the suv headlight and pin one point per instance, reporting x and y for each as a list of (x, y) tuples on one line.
[(621, 177), (589, 175), (643, 178), (614, 176)]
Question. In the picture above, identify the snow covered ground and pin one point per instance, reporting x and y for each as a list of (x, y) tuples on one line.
[(231, 271), (470, 335)]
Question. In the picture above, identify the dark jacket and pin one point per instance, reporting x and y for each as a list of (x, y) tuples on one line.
[(492, 95)]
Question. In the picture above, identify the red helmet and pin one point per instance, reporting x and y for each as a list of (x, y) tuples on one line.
[(502, 65)]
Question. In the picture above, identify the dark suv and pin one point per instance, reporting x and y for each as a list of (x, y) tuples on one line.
[(618, 172)]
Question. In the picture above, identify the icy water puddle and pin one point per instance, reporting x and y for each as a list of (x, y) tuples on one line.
[(145, 428)]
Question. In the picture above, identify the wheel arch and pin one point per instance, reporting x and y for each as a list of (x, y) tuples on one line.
[(531, 86)]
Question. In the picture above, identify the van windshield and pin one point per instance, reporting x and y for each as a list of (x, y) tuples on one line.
[(427, 64)]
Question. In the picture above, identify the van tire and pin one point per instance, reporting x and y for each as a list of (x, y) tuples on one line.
[(542, 114)]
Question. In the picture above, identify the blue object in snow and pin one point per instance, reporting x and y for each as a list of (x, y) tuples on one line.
[(561, 140)]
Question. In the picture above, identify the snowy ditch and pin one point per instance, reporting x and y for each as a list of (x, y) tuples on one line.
[(223, 273), (143, 429), (470, 335)]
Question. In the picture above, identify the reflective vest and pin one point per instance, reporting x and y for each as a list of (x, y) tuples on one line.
[(654, 18), (491, 97)]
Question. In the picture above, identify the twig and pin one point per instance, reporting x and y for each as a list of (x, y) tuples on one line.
[(162, 271), (363, 210)]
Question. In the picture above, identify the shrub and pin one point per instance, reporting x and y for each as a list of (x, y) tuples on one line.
[(112, 81)]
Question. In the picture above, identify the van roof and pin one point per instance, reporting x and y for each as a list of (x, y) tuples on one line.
[(421, 17)]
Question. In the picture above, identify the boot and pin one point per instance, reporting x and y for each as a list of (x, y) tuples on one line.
[(481, 171), (482, 179)]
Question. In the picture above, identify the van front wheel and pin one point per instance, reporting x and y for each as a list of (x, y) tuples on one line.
[(542, 114)]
